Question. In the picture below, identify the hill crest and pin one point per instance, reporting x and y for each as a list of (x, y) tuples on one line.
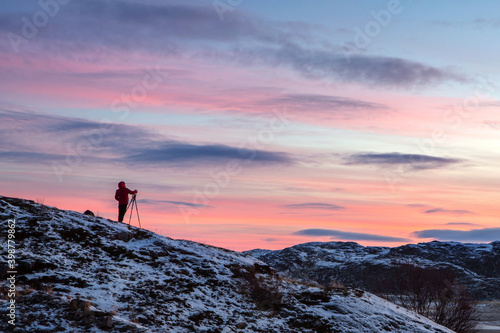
[(476, 265), (87, 274)]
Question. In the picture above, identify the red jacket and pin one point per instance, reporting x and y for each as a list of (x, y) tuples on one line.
[(121, 195)]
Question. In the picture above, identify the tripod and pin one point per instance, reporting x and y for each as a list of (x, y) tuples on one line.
[(132, 203)]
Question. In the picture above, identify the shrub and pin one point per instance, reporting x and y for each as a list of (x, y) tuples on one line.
[(434, 293), (265, 293)]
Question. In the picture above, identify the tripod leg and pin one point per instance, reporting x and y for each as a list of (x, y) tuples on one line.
[(131, 210), (137, 211)]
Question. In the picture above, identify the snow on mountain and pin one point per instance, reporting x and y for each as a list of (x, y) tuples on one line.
[(78, 273), (476, 265)]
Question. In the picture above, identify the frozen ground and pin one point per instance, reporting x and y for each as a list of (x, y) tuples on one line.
[(78, 273)]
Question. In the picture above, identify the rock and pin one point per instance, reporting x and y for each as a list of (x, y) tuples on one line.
[(78, 304), (123, 236), (89, 213)]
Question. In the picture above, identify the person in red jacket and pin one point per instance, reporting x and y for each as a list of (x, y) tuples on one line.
[(121, 195)]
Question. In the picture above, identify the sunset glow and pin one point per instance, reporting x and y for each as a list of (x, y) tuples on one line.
[(259, 125)]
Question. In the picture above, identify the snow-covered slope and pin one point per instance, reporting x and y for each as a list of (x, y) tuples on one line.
[(77, 273), (476, 265)]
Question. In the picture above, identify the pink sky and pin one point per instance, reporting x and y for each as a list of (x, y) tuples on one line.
[(257, 127)]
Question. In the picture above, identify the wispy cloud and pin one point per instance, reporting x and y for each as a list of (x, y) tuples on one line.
[(414, 161), (53, 138), (182, 29), (317, 104), (59, 136), (170, 27), (387, 71), (344, 235), (29, 157), (315, 205), (449, 211), (476, 235)]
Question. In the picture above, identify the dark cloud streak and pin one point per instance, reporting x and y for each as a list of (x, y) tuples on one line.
[(448, 211), (177, 152), (462, 223), (414, 161), (475, 235), (315, 205), (385, 71), (336, 234)]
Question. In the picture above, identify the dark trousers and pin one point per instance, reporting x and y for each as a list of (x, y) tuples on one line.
[(122, 209)]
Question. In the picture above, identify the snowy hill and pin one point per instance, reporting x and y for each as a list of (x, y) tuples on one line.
[(78, 273), (477, 266)]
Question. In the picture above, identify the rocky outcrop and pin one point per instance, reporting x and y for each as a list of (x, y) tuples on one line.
[(477, 266)]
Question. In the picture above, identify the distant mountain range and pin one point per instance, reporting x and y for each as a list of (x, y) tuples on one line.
[(79, 273), (477, 266)]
